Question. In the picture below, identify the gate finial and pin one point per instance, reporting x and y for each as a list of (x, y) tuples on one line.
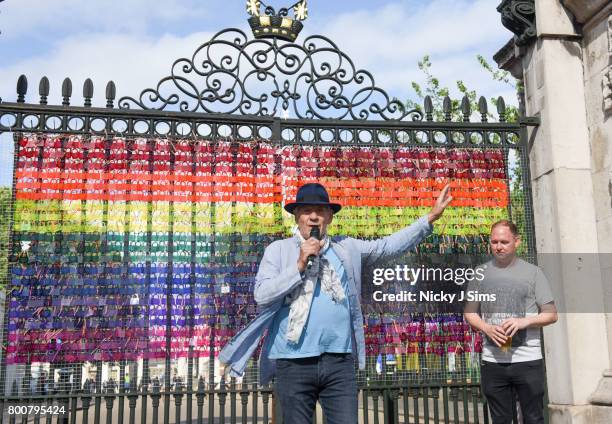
[(271, 24)]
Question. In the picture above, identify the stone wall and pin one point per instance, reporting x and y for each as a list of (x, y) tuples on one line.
[(566, 66), (597, 61)]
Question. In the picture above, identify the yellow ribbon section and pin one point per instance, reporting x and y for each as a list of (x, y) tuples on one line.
[(236, 218)]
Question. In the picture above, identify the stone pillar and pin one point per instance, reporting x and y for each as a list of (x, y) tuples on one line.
[(596, 18), (565, 212)]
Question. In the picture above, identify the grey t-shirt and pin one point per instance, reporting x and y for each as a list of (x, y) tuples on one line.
[(519, 289)]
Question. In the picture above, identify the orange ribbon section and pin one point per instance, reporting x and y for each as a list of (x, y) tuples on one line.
[(32, 185)]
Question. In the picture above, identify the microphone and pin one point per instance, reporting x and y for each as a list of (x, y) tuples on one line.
[(316, 233)]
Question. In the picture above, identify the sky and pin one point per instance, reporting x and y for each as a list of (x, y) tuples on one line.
[(135, 42)]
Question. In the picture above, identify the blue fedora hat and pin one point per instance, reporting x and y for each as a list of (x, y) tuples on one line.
[(312, 194)]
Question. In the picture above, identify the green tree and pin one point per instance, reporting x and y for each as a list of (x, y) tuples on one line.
[(436, 91)]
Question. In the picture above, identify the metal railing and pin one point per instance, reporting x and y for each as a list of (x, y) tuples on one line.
[(370, 119), (449, 403)]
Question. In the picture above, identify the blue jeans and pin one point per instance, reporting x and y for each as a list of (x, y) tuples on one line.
[(329, 378)]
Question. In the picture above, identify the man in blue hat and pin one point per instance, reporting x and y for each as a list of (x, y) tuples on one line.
[(308, 291)]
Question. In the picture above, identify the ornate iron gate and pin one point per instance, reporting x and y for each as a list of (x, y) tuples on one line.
[(156, 212)]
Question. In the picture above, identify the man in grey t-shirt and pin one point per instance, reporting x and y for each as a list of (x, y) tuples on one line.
[(512, 355)]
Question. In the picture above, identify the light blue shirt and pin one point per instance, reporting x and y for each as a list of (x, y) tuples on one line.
[(327, 328), (278, 276)]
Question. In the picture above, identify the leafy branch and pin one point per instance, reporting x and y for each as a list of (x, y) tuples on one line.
[(437, 92)]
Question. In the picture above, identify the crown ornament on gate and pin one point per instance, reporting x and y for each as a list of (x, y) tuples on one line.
[(272, 24)]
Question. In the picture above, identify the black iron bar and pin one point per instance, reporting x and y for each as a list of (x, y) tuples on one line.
[(406, 400), (85, 401), (445, 405), (375, 406), (417, 416), (200, 400), (132, 400)]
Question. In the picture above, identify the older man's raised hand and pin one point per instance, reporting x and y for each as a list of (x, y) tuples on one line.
[(443, 201)]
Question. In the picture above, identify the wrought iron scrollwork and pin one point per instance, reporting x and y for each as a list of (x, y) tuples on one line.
[(234, 74), (519, 17)]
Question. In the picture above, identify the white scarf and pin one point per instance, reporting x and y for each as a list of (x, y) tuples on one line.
[(301, 297)]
